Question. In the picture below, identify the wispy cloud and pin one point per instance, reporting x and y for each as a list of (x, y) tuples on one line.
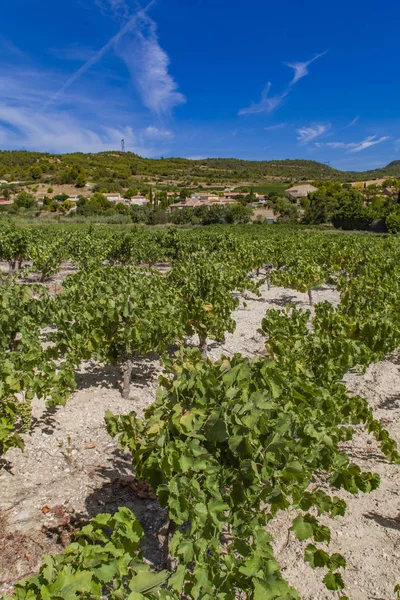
[(87, 122), (397, 144), (368, 142), (267, 103), (128, 28), (307, 134), (275, 127), (148, 65), (372, 140), (115, 8), (59, 132), (156, 133), (301, 68), (7, 47), (353, 122)]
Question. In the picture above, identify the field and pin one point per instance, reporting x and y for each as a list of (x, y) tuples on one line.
[(262, 366)]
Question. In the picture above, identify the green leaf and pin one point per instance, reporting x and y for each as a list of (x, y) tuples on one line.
[(145, 580), (302, 528), (216, 432), (177, 580), (271, 588), (67, 585), (333, 581)]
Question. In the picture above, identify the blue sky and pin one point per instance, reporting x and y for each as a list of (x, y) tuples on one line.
[(195, 78)]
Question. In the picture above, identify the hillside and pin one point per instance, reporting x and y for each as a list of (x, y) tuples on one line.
[(114, 170)]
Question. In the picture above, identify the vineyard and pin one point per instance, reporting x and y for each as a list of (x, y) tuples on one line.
[(241, 451)]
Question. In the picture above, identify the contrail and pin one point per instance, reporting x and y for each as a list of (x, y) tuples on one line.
[(93, 60)]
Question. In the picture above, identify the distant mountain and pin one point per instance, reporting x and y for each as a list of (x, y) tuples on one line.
[(395, 164), (115, 169)]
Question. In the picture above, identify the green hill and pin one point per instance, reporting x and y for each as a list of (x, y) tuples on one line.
[(114, 170)]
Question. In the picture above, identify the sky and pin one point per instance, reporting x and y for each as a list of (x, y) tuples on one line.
[(247, 79)]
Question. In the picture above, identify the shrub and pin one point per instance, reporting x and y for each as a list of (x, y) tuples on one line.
[(393, 220)]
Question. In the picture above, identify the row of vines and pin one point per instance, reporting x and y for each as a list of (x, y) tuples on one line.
[(228, 444)]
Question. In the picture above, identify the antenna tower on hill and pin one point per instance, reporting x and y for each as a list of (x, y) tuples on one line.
[(122, 145)]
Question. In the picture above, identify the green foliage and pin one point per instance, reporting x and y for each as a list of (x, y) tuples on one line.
[(113, 171), (205, 287), (205, 215), (287, 211), (61, 197), (227, 445), (105, 560), (25, 200), (393, 220)]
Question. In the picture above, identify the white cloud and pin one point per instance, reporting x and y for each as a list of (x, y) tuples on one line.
[(301, 68), (353, 122), (367, 143), (136, 43), (155, 133), (307, 134), (92, 61), (267, 103), (117, 8), (397, 144), (10, 49), (83, 123), (372, 140), (59, 132), (148, 65), (275, 127)]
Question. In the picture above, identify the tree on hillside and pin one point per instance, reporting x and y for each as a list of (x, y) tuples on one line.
[(25, 200), (49, 204), (287, 211), (321, 206), (80, 181), (163, 199), (183, 194), (99, 201), (66, 206), (130, 192), (6, 193), (61, 197), (35, 172)]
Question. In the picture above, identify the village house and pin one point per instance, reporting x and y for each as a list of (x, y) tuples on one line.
[(135, 200), (300, 191), (138, 200), (204, 200), (114, 197)]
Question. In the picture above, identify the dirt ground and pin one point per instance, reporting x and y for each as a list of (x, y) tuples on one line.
[(71, 190), (71, 470)]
